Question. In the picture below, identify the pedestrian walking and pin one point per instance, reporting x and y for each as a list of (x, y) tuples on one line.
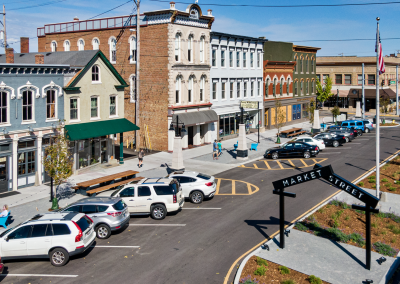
[(215, 150), (140, 156), (219, 148)]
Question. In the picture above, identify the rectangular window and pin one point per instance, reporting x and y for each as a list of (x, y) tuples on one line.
[(371, 79), (51, 104), (113, 106), (319, 77), (27, 106), (251, 59), (324, 77), (238, 90), (245, 89), (3, 107), (177, 96), (214, 91), (73, 109), (214, 58), (114, 56), (259, 88), (201, 89), (238, 59), (359, 79), (222, 58), (252, 89), (338, 79), (347, 79), (223, 90), (258, 59), (26, 162), (93, 107), (231, 90), (190, 50), (244, 59), (230, 58)]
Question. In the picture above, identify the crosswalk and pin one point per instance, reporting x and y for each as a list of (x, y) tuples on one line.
[(283, 164)]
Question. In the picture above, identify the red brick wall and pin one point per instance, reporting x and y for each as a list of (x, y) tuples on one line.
[(24, 44), (9, 55)]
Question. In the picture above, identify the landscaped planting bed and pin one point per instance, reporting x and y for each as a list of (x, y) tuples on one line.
[(389, 177), (258, 270), (388, 124), (337, 221)]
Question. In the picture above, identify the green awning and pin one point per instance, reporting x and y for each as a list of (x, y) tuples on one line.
[(99, 128)]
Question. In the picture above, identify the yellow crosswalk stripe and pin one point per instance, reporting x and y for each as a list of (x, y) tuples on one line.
[(304, 163), (290, 162), (280, 165), (233, 187), (266, 163)]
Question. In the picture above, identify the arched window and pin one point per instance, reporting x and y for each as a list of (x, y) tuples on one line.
[(53, 46), (301, 88), (177, 47), (307, 88), (281, 87), (296, 84), (274, 87), (95, 73), (27, 105), (133, 50), (266, 87), (3, 107), (288, 86), (190, 48), (95, 44), (202, 88), (301, 64), (113, 50), (50, 104), (306, 64), (312, 87), (202, 42), (296, 67), (178, 90), (81, 45), (190, 89), (312, 65), (67, 45)]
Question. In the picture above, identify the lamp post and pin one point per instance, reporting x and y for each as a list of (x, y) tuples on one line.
[(242, 151), (177, 155)]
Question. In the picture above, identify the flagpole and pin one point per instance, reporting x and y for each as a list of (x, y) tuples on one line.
[(377, 108)]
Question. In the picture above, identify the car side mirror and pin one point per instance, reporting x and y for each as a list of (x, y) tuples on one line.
[(6, 238)]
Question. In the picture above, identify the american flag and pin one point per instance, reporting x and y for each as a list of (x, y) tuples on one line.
[(378, 48)]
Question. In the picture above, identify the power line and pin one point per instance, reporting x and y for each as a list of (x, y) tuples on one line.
[(288, 6), (353, 39), (38, 5)]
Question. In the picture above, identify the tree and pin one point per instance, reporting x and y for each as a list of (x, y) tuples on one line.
[(58, 161), (384, 102), (335, 112), (280, 118), (324, 92)]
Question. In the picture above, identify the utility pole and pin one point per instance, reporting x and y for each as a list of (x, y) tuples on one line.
[(363, 93), (137, 73), (397, 89), (4, 24), (377, 112)]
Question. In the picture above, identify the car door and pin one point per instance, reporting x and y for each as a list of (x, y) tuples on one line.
[(91, 211), (185, 183), (310, 141), (298, 149), (16, 245), (128, 196), (143, 199), (287, 150), (39, 242)]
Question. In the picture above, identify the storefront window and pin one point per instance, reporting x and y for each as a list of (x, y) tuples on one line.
[(296, 112), (305, 110), (228, 124), (95, 157), (26, 144), (26, 163), (83, 153)]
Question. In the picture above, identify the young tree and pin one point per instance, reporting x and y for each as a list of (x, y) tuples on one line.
[(384, 102), (58, 162), (335, 112), (324, 92), (280, 118)]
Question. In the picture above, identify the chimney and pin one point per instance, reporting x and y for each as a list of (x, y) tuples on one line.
[(209, 12), (172, 5), (398, 55), (39, 59), (262, 37), (10, 55), (24, 44), (76, 18)]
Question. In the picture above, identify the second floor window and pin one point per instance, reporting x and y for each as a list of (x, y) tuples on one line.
[(177, 47), (214, 91), (295, 88), (190, 49), (113, 50), (237, 59), (244, 59), (202, 50), (94, 108), (3, 107), (274, 87), (113, 105), (81, 45), (222, 58), (53, 46), (133, 49), (231, 90), (95, 73), (202, 89), (259, 88), (288, 86), (319, 78), (51, 104), (214, 58), (223, 90), (73, 109), (347, 79), (251, 59), (178, 90), (190, 90), (307, 65), (230, 58), (27, 105), (359, 79), (324, 77), (338, 79), (95, 44), (266, 87), (258, 59), (238, 90), (306, 88), (371, 79), (252, 89), (66, 45), (244, 89), (281, 87)]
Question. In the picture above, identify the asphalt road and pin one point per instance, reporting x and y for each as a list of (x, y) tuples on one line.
[(198, 245)]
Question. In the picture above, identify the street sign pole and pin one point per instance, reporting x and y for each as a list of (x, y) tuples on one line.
[(259, 120), (282, 195)]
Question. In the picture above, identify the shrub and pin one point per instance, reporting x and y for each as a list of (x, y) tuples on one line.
[(357, 238), (337, 235), (396, 231), (384, 180), (290, 281), (260, 271), (284, 270), (388, 184), (374, 225), (373, 186), (336, 224), (314, 279), (384, 249), (381, 215), (392, 188), (247, 280), (300, 226), (383, 233), (391, 227), (347, 218), (321, 210), (361, 183), (261, 261), (372, 177), (393, 217)]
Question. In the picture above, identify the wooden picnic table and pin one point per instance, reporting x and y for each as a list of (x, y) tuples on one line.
[(290, 132), (106, 179)]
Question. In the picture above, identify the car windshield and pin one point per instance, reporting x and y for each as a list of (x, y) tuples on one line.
[(120, 205), (203, 176), (83, 223), (115, 192), (8, 230), (284, 145)]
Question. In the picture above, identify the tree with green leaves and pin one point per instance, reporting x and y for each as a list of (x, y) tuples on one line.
[(280, 118), (324, 92), (335, 112), (58, 161)]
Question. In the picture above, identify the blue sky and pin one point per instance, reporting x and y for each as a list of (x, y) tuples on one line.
[(280, 24)]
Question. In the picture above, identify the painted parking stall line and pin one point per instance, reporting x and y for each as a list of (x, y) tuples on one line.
[(158, 225), (115, 246), (329, 153), (202, 208), (335, 149), (40, 275)]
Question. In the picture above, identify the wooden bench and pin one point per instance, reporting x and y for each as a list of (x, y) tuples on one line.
[(106, 179), (113, 185), (291, 132), (296, 134)]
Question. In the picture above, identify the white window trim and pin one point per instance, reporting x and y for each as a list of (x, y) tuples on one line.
[(116, 106), (22, 89), (259, 88), (202, 49), (190, 88), (202, 87), (244, 59), (8, 123), (190, 44), (178, 87), (223, 50), (96, 82), (65, 44), (55, 118), (4, 87), (177, 43), (239, 90), (54, 49), (233, 90), (216, 90), (93, 44), (252, 67), (216, 58), (240, 59), (131, 57), (83, 47), (110, 40), (98, 108), (223, 82), (69, 110), (132, 86)]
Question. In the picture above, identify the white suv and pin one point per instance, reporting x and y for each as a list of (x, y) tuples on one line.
[(196, 186), (53, 235), (154, 196)]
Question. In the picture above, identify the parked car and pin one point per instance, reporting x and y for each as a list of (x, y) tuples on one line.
[(357, 124), (1, 266), (339, 127), (330, 140), (368, 123), (108, 213), (53, 235), (154, 196), (347, 133), (196, 186), (309, 140), (292, 149)]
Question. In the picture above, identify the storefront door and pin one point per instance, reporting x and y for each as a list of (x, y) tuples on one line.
[(202, 133), (103, 149), (3, 174), (26, 168), (190, 135), (95, 154)]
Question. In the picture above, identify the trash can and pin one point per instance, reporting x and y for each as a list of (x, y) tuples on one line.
[(374, 120)]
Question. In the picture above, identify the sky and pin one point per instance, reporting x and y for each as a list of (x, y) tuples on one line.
[(292, 24)]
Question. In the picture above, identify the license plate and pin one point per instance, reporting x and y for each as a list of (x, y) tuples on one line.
[(89, 232)]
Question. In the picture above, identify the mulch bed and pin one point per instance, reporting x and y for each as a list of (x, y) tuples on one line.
[(273, 274), (385, 227), (389, 173), (388, 124)]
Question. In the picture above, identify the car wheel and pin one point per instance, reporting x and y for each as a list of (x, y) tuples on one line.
[(196, 197), (307, 155), (347, 139), (59, 257), (103, 231), (367, 130), (359, 132), (335, 144), (275, 155), (158, 212)]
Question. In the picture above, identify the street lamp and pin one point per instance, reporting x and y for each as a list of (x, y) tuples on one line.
[(177, 156)]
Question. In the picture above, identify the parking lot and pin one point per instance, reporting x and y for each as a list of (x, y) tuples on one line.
[(201, 242)]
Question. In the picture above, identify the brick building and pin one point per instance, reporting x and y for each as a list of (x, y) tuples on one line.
[(174, 63)]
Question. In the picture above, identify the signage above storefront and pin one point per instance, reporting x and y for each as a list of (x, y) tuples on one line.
[(249, 104), (305, 99)]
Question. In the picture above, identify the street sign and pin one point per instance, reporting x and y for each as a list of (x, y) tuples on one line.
[(392, 82), (249, 104)]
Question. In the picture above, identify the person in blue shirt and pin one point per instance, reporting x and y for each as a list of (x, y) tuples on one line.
[(215, 150)]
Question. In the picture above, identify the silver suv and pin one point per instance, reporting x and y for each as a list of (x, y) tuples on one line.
[(108, 213)]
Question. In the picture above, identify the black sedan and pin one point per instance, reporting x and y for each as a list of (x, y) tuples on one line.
[(292, 149), (331, 140), (338, 127)]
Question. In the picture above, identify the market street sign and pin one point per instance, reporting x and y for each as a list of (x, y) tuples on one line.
[(249, 104)]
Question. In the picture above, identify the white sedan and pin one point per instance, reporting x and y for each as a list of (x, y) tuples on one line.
[(309, 140)]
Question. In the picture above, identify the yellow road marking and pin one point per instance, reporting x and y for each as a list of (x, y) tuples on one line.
[(290, 162), (233, 187), (218, 185), (274, 234), (255, 166), (281, 167), (251, 188), (304, 163), (279, 164), (315, 161), (266, 163)]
